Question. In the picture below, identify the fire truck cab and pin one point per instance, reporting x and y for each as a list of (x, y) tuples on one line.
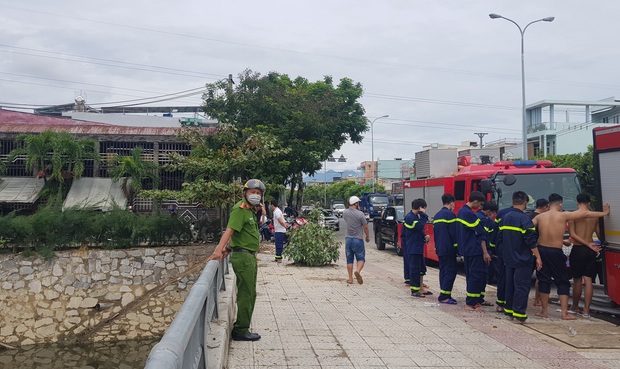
[(498, 181)]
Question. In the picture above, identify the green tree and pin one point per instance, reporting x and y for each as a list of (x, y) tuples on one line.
[(218, 165), (582, 163), (337, 190), (132, 170), (311, 119), (55, 155)]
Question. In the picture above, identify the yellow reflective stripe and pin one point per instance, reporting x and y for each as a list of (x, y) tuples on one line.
[(482, 294), (412, 225), (444, 292), (511, 228), (508, 311), (489, 230), (491, 244), (444, 220), (500, 302), (415, 288), (497, 220), (517, 315), (473, 294), (456, 245), (470, 225)]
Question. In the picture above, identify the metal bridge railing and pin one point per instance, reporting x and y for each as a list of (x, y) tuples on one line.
[(184, 346)]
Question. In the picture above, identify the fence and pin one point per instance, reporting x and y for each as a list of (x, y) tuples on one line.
[(184, 345)]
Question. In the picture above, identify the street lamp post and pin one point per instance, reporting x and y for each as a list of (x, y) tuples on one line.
[(372, 148), (331, 159), (522, 31)]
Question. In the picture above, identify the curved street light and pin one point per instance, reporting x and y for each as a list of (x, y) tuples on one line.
[(522, 31), (372, 147)]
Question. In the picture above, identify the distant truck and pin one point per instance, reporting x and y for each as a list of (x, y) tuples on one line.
[(334, 202), (387, 228), (372, 204)]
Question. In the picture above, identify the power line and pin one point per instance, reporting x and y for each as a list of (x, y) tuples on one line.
[(404, 65)]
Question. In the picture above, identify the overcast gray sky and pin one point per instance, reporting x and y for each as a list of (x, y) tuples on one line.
[(442, 70)]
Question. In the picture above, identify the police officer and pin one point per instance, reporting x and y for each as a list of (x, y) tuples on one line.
[(518, 238), (242, 232), (444, 230)]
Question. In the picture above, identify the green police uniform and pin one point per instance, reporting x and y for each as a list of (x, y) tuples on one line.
[(244, 243)]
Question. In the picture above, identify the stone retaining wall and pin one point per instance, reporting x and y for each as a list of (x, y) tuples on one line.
[(96, 295)]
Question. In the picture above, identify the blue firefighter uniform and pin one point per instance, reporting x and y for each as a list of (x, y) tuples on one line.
[(518, 238), (489, 227), (444, 230), (413, 229), (470, 234), (499, 260)]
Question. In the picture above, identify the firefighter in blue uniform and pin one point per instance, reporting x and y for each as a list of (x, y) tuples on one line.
[(500, 269), (486, 215), (471, 239), (444, 229), (413, 228), (519, 239)]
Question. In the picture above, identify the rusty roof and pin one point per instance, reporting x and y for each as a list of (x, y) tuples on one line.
[(18, 122)]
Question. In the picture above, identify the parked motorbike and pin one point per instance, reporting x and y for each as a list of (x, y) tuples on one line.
[(266, 230)]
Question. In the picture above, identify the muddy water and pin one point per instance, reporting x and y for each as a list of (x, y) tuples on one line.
[(103, 355)]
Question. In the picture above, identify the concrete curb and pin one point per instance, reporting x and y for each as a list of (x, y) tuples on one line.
[(218, 339)]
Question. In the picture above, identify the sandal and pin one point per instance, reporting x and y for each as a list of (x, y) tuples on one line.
[(417, 294), (359, 278), (449, 301)]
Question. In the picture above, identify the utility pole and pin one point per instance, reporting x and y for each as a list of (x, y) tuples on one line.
[(481, 134)]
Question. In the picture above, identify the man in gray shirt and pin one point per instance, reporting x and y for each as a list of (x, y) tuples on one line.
[(357, 227)]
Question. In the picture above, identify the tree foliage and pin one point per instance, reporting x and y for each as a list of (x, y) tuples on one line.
[(132, 170), (582, 163), (310, 119), (313, 245), (219, 165), (55, 155), (337, 190)]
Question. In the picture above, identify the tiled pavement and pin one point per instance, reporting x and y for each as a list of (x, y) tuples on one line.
[(309, 317)]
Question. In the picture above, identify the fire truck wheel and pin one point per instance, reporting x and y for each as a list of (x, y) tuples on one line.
[(379, 242)]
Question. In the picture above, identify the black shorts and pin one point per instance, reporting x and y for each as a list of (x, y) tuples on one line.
[(582, 262), (554, 269)]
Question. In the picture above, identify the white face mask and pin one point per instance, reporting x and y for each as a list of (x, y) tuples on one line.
[(254, 199)]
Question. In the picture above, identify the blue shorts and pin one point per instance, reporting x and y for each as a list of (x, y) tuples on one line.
[(354, 247)]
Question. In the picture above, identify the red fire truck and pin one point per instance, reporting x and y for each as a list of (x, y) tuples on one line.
[(607, 179), (498, 180)]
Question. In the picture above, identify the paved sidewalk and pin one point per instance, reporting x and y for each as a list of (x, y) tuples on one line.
[(309, 317)]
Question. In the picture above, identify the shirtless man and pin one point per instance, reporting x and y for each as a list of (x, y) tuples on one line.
[(583, 255), (551, 227)]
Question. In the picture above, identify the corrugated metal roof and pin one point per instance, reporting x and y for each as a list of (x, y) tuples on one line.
[(22, 190), (95, 193), (18, 122)]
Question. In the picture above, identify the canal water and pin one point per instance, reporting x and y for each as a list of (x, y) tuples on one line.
[(101, 355)]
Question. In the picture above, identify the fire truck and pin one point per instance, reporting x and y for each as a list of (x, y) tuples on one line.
[(498, 180), (607, 179)]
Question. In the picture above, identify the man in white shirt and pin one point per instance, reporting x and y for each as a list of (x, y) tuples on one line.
[(279, 227)]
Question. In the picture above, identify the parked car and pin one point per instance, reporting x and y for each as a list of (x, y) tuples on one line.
[(338, 210), (330, 221), (387, 229)]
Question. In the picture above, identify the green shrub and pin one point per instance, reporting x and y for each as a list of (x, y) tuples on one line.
[(313, 245)]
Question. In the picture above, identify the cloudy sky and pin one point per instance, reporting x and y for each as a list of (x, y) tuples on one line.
[(442, 70)]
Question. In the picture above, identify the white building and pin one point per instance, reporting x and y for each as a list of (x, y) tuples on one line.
[(561, 127)]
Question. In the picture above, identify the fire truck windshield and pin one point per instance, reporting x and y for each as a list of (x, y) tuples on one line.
[(539, 185)]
